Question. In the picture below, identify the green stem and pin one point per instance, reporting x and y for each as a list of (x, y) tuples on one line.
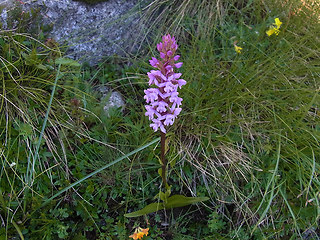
[(163, 160)]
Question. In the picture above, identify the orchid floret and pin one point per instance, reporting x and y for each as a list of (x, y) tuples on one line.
[(178, 65)]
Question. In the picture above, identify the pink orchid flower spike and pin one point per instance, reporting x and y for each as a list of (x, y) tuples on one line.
[(163, 101)]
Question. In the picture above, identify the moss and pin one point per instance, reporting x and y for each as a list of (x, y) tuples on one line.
[(91, 1)]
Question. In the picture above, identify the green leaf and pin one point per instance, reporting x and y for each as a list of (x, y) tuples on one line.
[(172, 202), (42, 67), (160, 172), (153, 207), (162, 196), (173, 162), (181, 201), (25, 129), (67, 61), (167, 193)]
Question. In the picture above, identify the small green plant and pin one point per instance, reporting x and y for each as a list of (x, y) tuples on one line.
[(162, 108), (215, 223)]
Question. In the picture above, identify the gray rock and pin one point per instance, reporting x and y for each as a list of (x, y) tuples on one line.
[(90, 31), (110, 99), (103, 90), (114, 101)]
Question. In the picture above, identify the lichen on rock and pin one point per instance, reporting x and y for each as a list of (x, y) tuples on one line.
[(91, 1), (90, 32)]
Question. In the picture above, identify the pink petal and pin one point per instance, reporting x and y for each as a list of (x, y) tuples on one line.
[(176, 58), (178, 65)]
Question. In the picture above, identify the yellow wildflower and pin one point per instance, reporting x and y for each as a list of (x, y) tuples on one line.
[(237, 48), (275, 29), (272, 31), (277, 23), (139, 233)]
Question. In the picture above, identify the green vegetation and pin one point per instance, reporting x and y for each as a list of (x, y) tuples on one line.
[(248, 136)]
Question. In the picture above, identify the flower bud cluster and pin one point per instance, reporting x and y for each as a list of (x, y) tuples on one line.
[(163, 101)]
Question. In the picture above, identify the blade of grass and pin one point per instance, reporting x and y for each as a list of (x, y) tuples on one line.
[(18, 230), (30, 172), (289, 207), (99, 170), (272, 195)]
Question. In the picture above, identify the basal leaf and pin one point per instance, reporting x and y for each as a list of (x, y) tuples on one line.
[(181, 201), (153, 207), (172, 202)]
